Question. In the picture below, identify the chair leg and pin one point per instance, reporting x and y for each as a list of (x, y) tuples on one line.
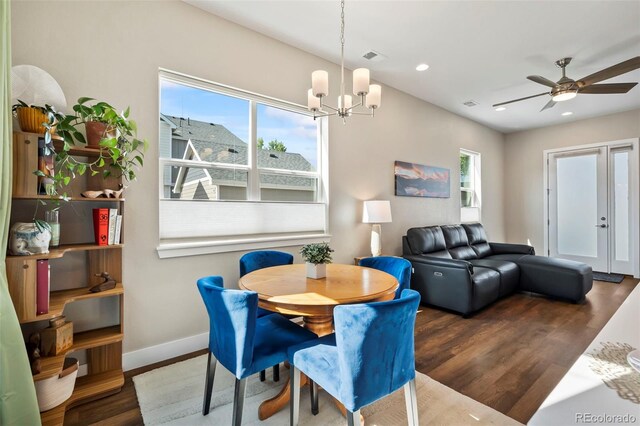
[(313, 392), (276, 373), (238, 401), (411, 401), (353, 418), (294, 387), (263, 376), (208, 383)]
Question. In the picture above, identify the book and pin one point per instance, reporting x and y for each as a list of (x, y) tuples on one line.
[(45, 166), (113, 213), (101, 226), (116, 238), (43, 275)]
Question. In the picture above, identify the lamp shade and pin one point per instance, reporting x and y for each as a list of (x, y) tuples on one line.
[(35, 86), (376, 211)]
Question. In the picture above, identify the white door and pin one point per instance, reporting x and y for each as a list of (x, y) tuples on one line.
[(592, 202), (578, 211)]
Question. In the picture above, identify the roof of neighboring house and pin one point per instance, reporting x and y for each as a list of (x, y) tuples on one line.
[(215, 143)]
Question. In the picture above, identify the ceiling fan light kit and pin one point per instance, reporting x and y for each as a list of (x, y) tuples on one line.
[(567, 88), (369, 95)]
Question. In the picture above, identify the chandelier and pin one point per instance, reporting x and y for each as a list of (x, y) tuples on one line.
[(369, 94)]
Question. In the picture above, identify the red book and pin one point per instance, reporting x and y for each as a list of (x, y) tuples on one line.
[(101, 226), (42, 287)]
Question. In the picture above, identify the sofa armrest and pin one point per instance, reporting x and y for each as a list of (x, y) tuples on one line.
[(447, 283), (504, 248)]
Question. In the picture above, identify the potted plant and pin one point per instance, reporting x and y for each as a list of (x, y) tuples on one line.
[(120, 151), (31, 118), (316, 256)]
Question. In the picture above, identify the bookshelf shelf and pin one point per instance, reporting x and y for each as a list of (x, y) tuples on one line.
[(52, 365), (89, 200), (59, 299), (60, 251)]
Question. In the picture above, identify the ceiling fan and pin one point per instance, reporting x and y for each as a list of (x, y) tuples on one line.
[(567, 88)]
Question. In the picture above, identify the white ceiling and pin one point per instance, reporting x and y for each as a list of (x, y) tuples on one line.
[(479, 50)]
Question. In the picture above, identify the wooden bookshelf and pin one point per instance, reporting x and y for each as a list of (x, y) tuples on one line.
[(103, 345)]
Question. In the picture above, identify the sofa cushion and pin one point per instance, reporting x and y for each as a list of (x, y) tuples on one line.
[(427, 240), (477, 239), (515, 258), (486, 287), (509, 273), (457, 243)]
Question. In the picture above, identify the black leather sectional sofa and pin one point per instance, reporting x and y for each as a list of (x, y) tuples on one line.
[(456, 268)]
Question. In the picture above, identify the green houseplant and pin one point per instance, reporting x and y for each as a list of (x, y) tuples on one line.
[(316, 255), (119, 151)]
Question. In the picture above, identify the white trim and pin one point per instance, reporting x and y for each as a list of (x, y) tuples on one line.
[(194, 248), (634, 190), (163, 351)]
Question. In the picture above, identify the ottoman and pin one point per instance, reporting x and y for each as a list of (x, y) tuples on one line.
[(564, 279)]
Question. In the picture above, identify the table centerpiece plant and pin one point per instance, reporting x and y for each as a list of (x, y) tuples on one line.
[(316, 256)]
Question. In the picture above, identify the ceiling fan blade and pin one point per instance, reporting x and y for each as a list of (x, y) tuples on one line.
[(521, 99), (613, 71), (549, 104), (541, 80), (601, 89)]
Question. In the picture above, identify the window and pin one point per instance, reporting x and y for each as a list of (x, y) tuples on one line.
[(470, 188), (238, 170)]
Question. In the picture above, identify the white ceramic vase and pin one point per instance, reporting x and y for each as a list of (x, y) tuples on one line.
[(316, 271)]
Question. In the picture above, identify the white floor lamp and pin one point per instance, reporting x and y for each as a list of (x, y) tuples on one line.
[(376, 212)]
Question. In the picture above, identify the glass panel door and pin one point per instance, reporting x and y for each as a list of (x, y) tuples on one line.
[(621, 212), (578, 224)]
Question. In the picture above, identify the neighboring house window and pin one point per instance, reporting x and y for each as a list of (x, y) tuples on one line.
[(470, 186), (237, 169)]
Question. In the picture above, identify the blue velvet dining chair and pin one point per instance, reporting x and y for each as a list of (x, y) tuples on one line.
[(243, 343), (260, 259), (396, 266), (370, 355)]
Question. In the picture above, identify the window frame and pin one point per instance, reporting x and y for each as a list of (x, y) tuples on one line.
[(472, 213), (176, 246)]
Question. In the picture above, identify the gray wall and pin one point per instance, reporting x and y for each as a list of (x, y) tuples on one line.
[(524, 167), (120, 64)]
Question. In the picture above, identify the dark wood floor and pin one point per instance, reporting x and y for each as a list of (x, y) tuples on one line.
[(509, 356)]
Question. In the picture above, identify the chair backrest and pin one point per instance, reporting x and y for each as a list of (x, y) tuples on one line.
[(263, 259), (396, 266), (375, 348), (232, 323)]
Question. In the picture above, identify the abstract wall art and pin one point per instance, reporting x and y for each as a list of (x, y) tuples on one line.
[(417, 180)]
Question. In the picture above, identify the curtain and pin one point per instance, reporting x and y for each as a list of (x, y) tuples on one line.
[(18, 403)]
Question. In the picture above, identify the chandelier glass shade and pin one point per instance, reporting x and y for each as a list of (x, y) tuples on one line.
[(367, 95)]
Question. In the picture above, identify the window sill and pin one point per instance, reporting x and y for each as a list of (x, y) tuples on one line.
[(196, 248)]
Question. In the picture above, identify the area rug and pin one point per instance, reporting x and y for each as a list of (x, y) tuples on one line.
[(610, 278), (173, 395)]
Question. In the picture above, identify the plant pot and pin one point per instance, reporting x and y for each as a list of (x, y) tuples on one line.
[(97, 131), (316, 271), (30, 119), (26, 239)]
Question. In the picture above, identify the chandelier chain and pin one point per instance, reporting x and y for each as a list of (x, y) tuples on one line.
[(342, 51)]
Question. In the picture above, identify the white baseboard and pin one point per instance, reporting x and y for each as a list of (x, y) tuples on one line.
[(157, 353)]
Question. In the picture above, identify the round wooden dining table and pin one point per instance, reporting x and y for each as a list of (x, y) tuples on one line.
[(287, 290)]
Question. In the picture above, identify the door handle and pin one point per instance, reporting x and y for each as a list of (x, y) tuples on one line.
[(602, 226)]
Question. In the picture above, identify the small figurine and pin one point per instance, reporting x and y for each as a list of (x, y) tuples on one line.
[(33, 350), (107, 284), (104, 193)]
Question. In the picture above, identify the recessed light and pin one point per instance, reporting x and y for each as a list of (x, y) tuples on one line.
[(422, 67), (567, 113), (500, 109)]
